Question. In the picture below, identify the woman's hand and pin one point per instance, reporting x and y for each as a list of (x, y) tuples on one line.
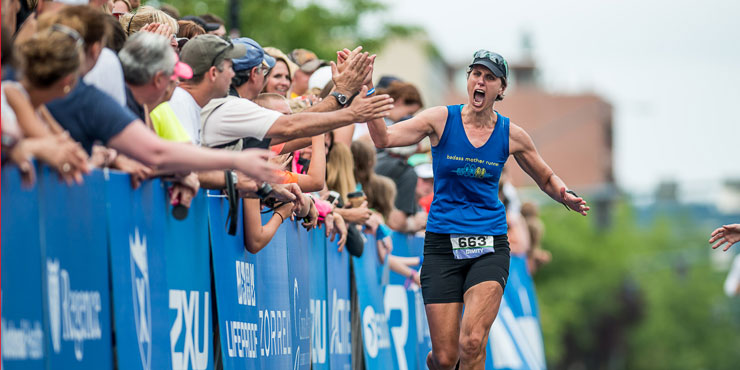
[(729, 234), (340, 228), (312, 218), (357, 215), (574, 202)]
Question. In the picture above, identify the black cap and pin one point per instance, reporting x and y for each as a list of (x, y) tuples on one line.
[(493, 61), (206, 26)]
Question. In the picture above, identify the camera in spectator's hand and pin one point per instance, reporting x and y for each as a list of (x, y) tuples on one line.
[(356, 198)]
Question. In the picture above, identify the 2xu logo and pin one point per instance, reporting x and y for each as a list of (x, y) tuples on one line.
[(74, 315), (188, 312)]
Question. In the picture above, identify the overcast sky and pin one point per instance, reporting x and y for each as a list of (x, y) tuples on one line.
[(671, 69)]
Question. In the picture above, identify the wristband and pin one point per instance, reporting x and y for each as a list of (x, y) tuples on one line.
[(282, 219), (370, 92)]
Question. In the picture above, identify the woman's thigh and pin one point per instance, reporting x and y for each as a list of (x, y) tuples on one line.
[(444, 326)]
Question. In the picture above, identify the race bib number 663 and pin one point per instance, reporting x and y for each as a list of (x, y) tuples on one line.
[(471, 246)]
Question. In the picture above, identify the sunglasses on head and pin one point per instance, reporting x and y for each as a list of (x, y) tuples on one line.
[(220, 53), (497, 59)]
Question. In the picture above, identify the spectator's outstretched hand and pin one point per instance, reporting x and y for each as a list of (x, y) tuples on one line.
[(366, 108), (345, 54), (354, 72), (282, 193), (253, 163), (729, 234), (137, 170)]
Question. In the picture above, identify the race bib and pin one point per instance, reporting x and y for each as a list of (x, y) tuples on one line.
[(471, 246)]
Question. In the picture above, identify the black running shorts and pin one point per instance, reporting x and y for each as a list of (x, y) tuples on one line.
[(445, 279)]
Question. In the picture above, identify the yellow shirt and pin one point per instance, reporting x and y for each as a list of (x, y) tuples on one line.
[(166, 124)]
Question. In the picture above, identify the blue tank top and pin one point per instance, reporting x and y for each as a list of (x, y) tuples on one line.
[(466, 180)]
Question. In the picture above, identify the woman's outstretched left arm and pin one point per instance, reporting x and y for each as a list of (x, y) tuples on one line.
[(522, 148)]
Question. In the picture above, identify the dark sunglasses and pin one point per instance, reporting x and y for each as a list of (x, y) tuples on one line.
[(220, 53)]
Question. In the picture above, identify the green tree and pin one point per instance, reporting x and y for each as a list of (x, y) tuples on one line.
[(634, 297), (283, 24)]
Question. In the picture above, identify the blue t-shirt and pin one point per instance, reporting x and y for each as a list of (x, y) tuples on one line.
[(466, 180), (90, 115)]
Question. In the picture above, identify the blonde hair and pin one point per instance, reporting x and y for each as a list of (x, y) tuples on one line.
[(145, 14), (339, 176), (381, 194), (50, 55)]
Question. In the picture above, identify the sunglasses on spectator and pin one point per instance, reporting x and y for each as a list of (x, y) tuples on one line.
[(220, 53)]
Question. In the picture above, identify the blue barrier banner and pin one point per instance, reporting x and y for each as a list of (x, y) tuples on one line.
[(298, 244), (317, 292), (76, 272), (339, 307), (189, 286), (405, 311), (22, 302), (515, 339), (138, 279), (375, 334), (273, 303), (236, 287)]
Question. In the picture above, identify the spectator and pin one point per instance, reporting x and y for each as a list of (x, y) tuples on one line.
[(308, 63), (144, 16), (227, 121), (213, 19), (407, 217), (49, 63), (135, 4), (90, 115), (424, 185), (211, 60), (117, 37), (120, 7), (170, 10), (537, 256), (280, 78), (208, 27), (313, 179), (189, 29), (407, 98)]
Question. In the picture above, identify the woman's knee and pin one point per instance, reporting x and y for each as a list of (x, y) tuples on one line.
[(471, 345), (444, 359)]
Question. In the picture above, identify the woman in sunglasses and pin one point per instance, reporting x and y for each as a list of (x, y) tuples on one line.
[(466, 251)]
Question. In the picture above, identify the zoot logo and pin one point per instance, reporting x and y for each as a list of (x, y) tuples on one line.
[(374, 331), (188, 312), (340, 343), (318, 332), (74, 313), (141, 297)]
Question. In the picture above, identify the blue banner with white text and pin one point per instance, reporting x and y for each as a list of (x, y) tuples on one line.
[(189, 283), (75, 262), (139, 282), (23, 342), (186, 295)]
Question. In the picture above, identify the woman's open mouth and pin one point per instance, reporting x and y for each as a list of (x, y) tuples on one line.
[(479, 96)]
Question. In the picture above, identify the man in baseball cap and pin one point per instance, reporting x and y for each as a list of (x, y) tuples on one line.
[(210, 57), (251, 69), (308, 63)]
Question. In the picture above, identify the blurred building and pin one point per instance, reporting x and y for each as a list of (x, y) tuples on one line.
[(414, 59)]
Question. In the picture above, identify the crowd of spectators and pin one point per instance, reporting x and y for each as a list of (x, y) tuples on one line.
[(151, 93)]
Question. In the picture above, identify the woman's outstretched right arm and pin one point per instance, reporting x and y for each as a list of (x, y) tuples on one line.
[(427, 123)]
